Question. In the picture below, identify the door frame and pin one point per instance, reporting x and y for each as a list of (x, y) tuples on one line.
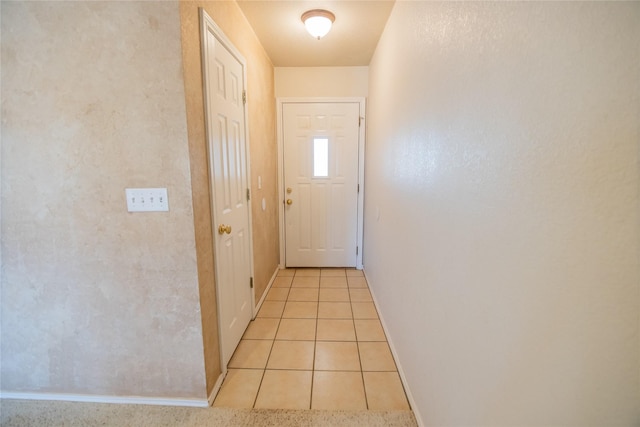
[(361, 146), (207, 24)]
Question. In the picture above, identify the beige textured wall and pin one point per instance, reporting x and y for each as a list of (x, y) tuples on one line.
[(96, 300), (503, 159), (322, 81), (263, 151)]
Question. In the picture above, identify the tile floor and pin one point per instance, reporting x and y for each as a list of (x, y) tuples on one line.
[(317, 343)]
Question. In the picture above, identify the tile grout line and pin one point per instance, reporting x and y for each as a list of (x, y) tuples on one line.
[(351, 302), (358, 342), (264, 370), (315, 344), (273, 341), (364, 387), (255, 399), (315, 336)]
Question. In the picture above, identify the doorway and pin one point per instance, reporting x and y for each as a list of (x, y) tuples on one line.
[(321, 156), (225, 111)]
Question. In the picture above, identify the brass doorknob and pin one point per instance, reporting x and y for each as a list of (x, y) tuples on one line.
[(289, 201), (224, 229)]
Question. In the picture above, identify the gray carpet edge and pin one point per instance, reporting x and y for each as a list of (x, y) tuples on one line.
[(19, 413)]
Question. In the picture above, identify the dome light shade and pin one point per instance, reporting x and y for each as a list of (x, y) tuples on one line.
[(318, 22)]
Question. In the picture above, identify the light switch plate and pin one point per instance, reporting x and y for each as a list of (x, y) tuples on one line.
[(147, 200)]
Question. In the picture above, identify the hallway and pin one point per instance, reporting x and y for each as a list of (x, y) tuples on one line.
[(316, 343)]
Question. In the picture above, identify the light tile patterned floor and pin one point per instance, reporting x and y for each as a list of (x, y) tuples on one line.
[(317, 343)]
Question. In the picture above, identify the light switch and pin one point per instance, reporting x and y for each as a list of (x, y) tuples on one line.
[(147, 199)]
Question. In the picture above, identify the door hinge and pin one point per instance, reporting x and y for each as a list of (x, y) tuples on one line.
[(244, 96), (358, 188), (248, 194), (251, 282), (356, 250), (360, 119)]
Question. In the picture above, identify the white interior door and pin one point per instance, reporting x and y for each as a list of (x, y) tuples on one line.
[(228, 171), (320, 161)]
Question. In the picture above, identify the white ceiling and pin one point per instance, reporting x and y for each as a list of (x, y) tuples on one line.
[(351, 41)]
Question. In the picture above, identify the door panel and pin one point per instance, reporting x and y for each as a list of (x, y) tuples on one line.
[(228, 169), (321, 221)]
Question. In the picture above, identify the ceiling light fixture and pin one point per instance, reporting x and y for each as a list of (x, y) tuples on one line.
[(318, 22)]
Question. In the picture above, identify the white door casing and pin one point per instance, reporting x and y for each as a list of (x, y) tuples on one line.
[(224, 77), (321, 206)]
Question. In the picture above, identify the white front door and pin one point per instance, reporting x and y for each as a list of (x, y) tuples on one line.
[(228, 171), (320, 152)]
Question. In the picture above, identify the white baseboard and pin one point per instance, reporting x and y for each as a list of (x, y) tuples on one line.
[(216, 388), (89, 398), (266, 291), (403, 377)]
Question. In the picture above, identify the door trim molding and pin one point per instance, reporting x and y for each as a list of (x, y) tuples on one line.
[(208, 25), (361, 101)]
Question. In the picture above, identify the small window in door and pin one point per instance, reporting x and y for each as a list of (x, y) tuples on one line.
[(320, 157)]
